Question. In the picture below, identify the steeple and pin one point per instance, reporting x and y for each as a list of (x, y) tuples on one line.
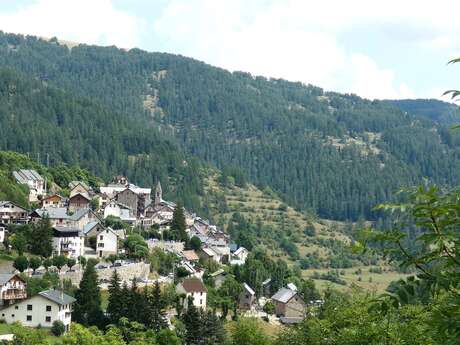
[(158, 194)]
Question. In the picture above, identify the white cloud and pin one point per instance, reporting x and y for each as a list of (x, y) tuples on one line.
[(88, 21), (302, 40), (294, 40)]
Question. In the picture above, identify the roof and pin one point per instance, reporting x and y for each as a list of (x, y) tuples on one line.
[(52, 196), (266, 281), (217, 273), (25, 175), (248, 289), (57, 297), (290, 320), (6, 277), (88, 227), (6, 202), (79, 214), (239, 250), (84, 195), (190, 255), (193, 285), (209, 251), (73, 184), (53, 212), (283, 295), (62, 231), (292, 287)]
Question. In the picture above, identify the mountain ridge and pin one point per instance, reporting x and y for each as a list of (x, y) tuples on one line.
[(335, 154)]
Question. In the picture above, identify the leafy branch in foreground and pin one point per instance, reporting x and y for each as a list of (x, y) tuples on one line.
[(434, 254)]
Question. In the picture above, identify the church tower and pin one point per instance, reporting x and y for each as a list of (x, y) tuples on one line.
[(158, 194)]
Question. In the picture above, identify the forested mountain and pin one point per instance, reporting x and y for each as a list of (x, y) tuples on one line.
[(39, 119), (116, 110), (442, 112)]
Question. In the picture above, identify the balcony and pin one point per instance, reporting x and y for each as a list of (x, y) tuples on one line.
[(12, 294)]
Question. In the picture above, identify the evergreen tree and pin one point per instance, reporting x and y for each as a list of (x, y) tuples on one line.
[(192, 322), (213, 332), (115, 306), (42, 238), (178, 224), (157, 316), (135, 303), (87, 308)]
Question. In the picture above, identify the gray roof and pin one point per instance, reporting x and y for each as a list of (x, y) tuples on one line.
[(65, 229), (57, 297), (53, 212), (73, 184), (25, 175), (6, 202), (79, 214), (5, 277), (88, 227), (249, 289), (283, 295)]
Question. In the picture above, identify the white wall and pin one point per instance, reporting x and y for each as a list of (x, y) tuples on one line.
[(107, 243), (19, 312)]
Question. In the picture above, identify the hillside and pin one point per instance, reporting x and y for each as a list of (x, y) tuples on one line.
[(333, 154), (441, 112)]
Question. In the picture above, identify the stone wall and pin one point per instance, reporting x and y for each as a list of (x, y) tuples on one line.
[(126, 273)]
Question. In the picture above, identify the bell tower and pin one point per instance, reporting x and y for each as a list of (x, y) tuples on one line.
[(158, 194)]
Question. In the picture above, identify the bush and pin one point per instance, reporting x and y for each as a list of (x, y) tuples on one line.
[(58, 328), (269, 307)]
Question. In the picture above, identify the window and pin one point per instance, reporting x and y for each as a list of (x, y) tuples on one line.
[(29, 317), (3, 315), (12, 315), (16, 307), (29, 307), (48, 308), (101, 237), (201, 301), (48, 319), (100, 245)]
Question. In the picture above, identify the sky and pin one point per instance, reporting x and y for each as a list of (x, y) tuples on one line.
[(376, 49)]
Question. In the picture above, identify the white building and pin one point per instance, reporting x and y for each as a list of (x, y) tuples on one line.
[(41, 310), (68, 242), (195, 289), (33, 180), (10, 213), (239, 256), (106, 243), (116, 210), (12, 288)]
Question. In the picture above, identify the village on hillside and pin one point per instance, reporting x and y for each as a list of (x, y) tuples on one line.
[(118, 226)]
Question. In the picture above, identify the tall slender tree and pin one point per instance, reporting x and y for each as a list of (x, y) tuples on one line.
[(156, 307), (87, 308), (178, 224), (115, 306)]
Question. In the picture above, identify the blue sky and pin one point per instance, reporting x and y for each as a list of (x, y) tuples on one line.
[(391, 49)]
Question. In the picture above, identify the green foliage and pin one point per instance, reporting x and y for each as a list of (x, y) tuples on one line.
[(269, 308), (163, 262), (178, 225), (87, 308), (59, 261), (58, 328), (247, 331), (21, 263), (336, 154), (34, 263), (195, 243), (136, 246)]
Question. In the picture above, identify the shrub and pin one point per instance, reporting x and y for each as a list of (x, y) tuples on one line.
[(58, 328)]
